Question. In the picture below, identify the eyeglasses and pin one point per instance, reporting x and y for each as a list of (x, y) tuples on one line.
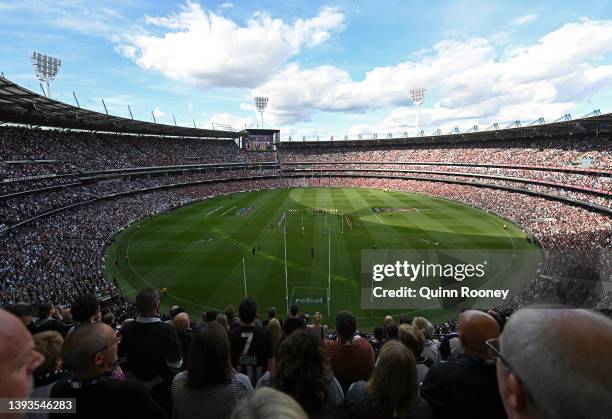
[(105, 347), (495, 353)]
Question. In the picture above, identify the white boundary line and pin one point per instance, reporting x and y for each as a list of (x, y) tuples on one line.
[(215, 210), (229, 210)]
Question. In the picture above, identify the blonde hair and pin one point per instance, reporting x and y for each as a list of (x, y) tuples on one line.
[(268, 403), (276, 332), (413, 338), (49, 344)]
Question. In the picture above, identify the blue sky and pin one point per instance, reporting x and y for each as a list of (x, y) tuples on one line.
[(342, 67)]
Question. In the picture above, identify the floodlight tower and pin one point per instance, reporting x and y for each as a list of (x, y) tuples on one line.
[(260, 104), (46, 68), (418, 97)]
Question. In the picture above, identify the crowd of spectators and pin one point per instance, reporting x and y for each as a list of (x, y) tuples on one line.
[(493, 364)]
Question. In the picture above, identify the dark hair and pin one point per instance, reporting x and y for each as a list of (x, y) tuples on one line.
[(176, 310), (84, 307), (303, 370), (44, 309), (146, 301), (272, 312), (294, 309), (210, 315), (391, 331), (109, 319), (247, 310), (346, 325), (405, 319), (379, 333), (230, 313), (20, 309), (208, 361)]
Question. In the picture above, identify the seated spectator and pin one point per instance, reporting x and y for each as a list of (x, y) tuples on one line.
[(466, 387), (351, 357), (392, 391), (251, 344), (181, 324), (210, 387), (302, 371), (414, 340), (151, 348), (18, 358), (109, 319), (378, 340), (268, 403), (47, 320), (317, 328), (294, 321), (450, 347), (276, 333), (230, 313), (48, 344), (555, 363), (90, 352), (404, 319)]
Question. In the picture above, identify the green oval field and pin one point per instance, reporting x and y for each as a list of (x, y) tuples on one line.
[(202, 253)]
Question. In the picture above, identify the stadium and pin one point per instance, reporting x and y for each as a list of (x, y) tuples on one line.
[(257, 273)]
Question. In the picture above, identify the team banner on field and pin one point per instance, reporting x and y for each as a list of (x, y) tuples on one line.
[(444, 279)]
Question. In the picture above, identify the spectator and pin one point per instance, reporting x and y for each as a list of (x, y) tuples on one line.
[(294, 321), (18, 358), (378, 339), (272, 314), (48, 344), (392, 391), (230, 313), (222, 320), (151, 348), (351, 357), (268, 403), (90, 352), (47, 321), (555, 363), (317, 328), (109, 319), (414, 340), (210, 316), (25, 313), (276, 333), (210, 387), (182, 324), (251, 344), (404, 319), (174, 310), (303, 372), (467, 386), (430, 349), (86, 309)]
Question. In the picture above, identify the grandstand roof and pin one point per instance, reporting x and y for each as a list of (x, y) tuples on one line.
[(22, 106), (580, 128)]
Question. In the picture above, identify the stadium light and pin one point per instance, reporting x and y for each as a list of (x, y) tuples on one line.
[(418, 97), (260, 104), (46, 68)]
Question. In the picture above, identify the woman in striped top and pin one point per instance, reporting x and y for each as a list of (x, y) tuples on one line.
[(210, 387)]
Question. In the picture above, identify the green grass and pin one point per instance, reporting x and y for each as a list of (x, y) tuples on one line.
[(173, 250)]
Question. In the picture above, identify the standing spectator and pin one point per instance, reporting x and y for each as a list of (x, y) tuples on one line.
[(351, 357), (181, 325), (85, 310), (18, 358), (47, 320), (48, 344), (276, 333), (210, 316), (304, 373), (251, 343), (25, 313), (317, 328), (109, 319), (294, 321), (272, 314), (222, 320), (555, 364), (230, 313), (467, 386), (414, 340), (430, 350), (151, 348), (392, 391), (90, 352), (210, 387)]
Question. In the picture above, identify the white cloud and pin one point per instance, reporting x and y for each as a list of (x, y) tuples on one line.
[(158, 113), (468, 80), (206, 49), (237, 122), (227, 5), (525, 19)]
